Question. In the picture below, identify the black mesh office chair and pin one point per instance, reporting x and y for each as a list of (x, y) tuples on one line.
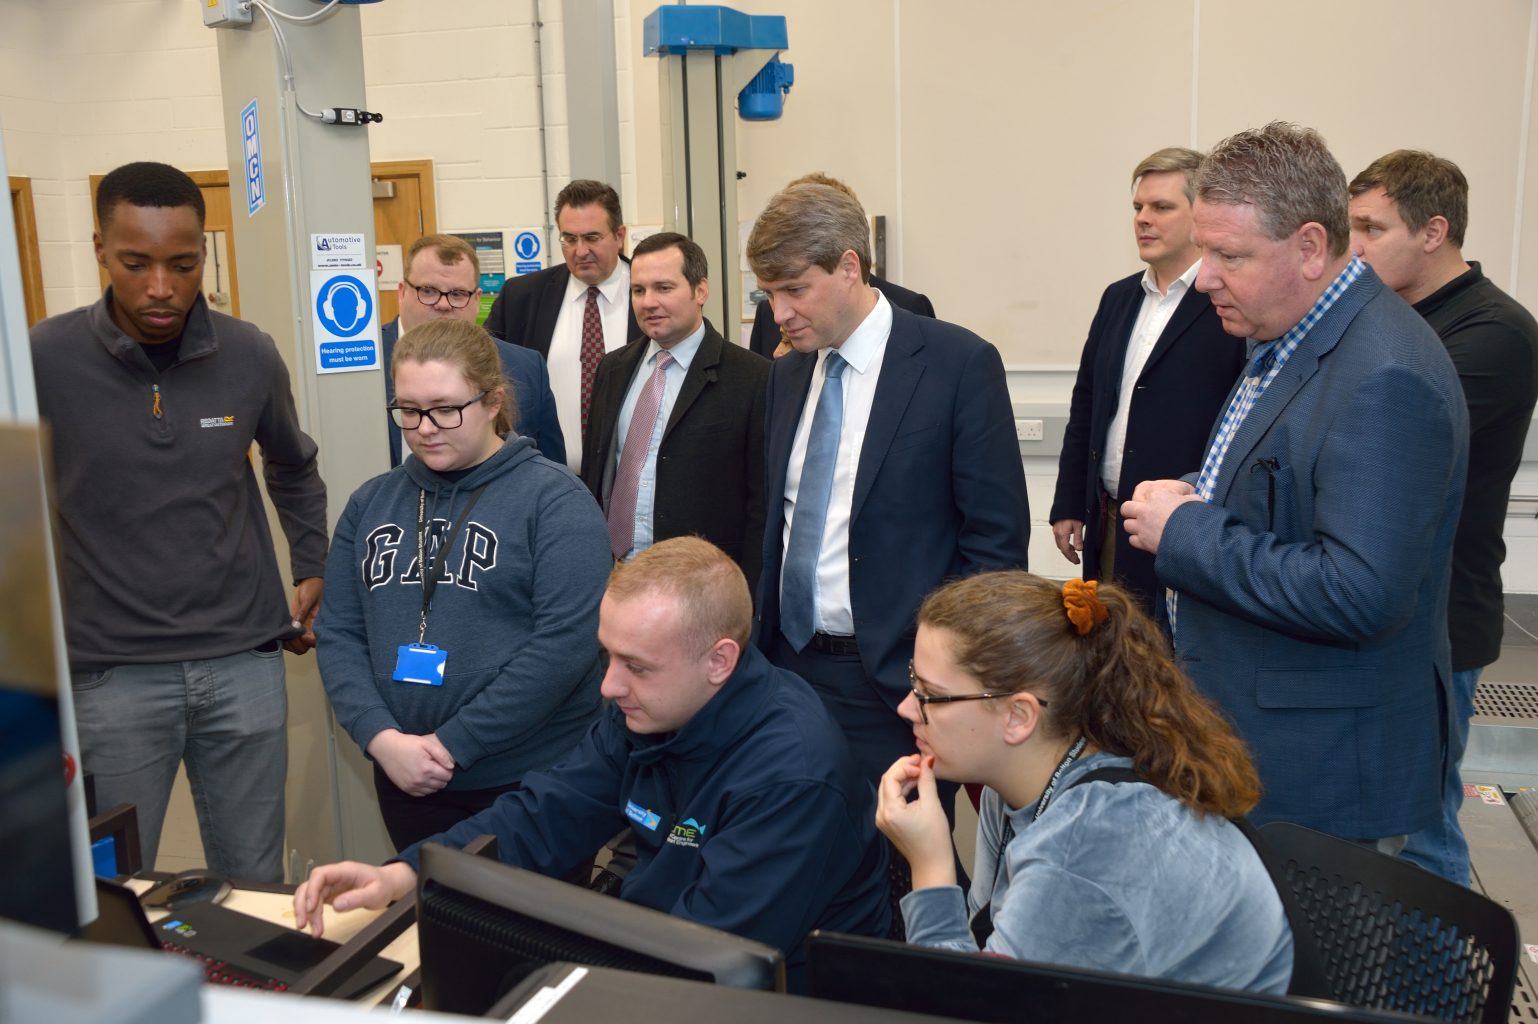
[(1395, 937)]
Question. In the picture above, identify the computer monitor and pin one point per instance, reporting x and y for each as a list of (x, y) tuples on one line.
[(968, 986), (484, 926)]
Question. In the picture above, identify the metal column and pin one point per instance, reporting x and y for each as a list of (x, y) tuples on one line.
[(317, 181)]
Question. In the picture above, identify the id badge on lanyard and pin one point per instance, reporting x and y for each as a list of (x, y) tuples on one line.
[(422, 663)]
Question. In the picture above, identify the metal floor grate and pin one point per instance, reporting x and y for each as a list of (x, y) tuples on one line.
[(1524, 1006), (1506, 700)]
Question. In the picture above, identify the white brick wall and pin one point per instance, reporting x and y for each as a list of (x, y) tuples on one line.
[(86, 85)]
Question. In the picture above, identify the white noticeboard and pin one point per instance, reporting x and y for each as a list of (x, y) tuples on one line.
[(345, 315)]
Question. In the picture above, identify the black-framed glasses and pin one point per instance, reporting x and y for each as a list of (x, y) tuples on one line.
[(427, 295), (925, 699), (592, 238), (444, 417)]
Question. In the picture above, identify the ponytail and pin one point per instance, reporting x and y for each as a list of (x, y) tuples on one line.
[(1106, 672)]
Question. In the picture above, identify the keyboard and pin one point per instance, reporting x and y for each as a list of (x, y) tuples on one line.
[(217, 972)]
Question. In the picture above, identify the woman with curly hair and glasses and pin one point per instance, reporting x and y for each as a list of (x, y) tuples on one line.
[(1104, 838)]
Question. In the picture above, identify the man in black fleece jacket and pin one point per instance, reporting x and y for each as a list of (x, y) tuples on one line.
[(174, 607)]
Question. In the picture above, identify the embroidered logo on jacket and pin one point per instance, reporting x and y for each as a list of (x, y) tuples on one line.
[(687, 833), (216, 421)]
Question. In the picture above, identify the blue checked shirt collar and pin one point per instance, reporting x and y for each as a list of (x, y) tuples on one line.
[(1267, 360)]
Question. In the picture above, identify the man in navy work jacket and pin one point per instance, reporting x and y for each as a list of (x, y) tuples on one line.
[(1309, 555), (747, 810), (442, 281)]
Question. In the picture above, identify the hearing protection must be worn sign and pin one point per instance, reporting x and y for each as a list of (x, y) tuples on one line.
[(346, 320)]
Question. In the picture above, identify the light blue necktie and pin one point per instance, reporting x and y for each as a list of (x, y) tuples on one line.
[(798, 586)]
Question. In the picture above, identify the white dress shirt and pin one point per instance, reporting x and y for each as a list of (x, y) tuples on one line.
[(565, 358), (1152, 318), (683, 355), (864, 350)]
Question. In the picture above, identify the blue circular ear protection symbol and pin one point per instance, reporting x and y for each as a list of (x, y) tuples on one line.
[(344, 306), (526, 245)]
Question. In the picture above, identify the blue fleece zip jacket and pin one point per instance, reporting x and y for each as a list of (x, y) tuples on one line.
[(516, 607), (751, 818)]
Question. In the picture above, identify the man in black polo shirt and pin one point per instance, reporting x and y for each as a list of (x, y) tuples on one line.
[(1408, 215)]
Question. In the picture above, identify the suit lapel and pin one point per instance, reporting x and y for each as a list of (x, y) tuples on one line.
[(604, 416), (785, 416), (1303, 364), (900, 374), (550, 310), (702, 371), (1189, 308)]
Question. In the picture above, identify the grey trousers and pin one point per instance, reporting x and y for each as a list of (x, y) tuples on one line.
[(226, 718)]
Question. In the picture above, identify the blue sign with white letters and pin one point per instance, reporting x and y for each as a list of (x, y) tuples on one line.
[(251, 146), (345, 334), (526, 245)]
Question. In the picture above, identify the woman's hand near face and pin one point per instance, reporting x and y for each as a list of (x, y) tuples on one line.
[(917, 827)]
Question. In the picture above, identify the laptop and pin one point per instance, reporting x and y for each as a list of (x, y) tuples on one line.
[(235, 949)]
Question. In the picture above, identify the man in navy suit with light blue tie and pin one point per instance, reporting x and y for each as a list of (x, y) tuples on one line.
[(1308, 556), (892, 466), (442, 280)]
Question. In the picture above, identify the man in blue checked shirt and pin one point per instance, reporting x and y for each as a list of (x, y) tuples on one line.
[(1308, 556)]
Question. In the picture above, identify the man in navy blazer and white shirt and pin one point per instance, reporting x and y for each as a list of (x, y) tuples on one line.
[(1154, 375), (892, 465), (1310, 552)]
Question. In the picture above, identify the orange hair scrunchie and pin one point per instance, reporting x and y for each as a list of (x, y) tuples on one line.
[(1083, 605)]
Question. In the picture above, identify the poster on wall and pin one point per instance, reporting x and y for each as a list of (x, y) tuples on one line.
[(345, 317), (491, 250)]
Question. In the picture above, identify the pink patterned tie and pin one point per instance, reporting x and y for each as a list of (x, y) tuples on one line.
[(638, 439)]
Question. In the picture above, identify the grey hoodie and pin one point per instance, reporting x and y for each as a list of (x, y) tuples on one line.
[(164, 542)]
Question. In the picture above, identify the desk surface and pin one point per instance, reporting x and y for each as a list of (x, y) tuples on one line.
[(278, 908)]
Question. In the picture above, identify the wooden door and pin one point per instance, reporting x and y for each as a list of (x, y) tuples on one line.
[(26, 249), (404, 210)]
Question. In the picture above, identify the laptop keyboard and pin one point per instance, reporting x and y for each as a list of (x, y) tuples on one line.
[(217, 972)]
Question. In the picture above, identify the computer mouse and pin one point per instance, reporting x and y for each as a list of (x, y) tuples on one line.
[(188, 887)]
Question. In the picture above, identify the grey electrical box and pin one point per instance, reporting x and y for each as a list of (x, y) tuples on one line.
[(221, 13)]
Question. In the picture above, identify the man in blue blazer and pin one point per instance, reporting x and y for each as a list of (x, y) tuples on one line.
[(442, 280), (1310, 553), (1155, 373), (892, 465)]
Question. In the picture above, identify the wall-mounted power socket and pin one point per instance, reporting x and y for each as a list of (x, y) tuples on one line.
[(1028, 430)]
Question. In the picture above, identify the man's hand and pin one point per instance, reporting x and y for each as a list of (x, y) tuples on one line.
[(1152, 503), (418, 765), (917, 828), (348, 886), (1148, 488), (306, 602), (1069, 534)]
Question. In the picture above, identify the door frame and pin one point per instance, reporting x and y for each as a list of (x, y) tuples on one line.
[(33, 297)]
